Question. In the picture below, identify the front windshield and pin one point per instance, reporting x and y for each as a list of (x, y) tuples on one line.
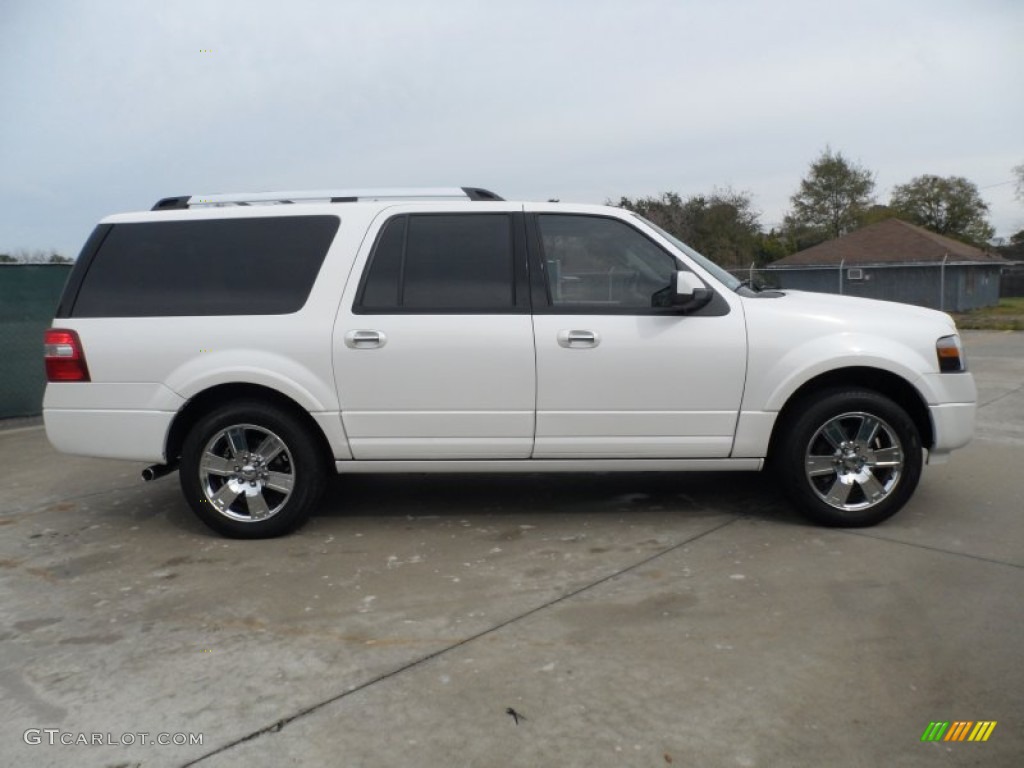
[(728, 280)]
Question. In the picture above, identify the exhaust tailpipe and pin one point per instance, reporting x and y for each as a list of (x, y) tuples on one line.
[(158, 470)]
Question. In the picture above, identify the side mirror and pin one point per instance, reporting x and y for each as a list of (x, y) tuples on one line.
[(691, 294)]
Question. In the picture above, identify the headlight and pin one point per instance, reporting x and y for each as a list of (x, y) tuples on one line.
[(951, 354)]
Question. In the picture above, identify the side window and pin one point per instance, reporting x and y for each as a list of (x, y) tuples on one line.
[(381, 286), (234, 266), (441, 262), (602, 263)]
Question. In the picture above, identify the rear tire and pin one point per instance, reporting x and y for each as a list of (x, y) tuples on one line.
[(849, 458), (251, 470)]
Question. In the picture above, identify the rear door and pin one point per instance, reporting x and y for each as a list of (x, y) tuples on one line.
[(616, 376), (433, 347)]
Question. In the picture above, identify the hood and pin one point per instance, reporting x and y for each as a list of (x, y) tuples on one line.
[(832, 306)]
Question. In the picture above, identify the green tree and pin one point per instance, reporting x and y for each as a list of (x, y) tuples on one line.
[(723, 225), (798, 235), (771, 246), (726, 227), (56, 258), (666, 210), (948, 205), (832, 197), (875, 214), (6, 258)]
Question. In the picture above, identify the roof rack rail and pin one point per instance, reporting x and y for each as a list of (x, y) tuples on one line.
[(324, 195)]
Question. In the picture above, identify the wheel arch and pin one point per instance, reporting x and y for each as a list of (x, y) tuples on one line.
[(886, 383), (210, 399)]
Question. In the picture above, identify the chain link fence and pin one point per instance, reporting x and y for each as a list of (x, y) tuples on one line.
[(760, 277), (28, 298), (950, 287)]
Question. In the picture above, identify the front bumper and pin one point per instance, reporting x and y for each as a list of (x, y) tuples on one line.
[(953, 425), (952, 403)]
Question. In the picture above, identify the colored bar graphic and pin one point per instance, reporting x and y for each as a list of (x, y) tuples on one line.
[(958, 730)]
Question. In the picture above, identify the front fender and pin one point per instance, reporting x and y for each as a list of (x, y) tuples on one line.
[(775, 374)]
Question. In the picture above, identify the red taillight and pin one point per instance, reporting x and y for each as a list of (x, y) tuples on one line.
[(65, 360)]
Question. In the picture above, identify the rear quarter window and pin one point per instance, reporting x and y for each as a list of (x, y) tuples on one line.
[(252, 266)]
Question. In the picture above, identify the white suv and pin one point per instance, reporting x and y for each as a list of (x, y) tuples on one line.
[(256, 342)]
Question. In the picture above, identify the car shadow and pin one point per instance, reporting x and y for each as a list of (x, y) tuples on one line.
[(468, 494)]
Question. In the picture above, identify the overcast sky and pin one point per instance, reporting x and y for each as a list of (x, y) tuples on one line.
[(108, 106)]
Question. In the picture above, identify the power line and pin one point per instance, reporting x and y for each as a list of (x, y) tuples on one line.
[(999, 184)]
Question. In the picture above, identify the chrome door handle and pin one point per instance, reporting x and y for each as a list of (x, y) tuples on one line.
[(578, 339), (365, 339)]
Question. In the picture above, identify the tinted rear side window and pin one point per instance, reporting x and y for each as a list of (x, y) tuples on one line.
[(442, 262), (258, 266)]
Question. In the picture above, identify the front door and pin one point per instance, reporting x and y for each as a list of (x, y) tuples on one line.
[(617, 377)]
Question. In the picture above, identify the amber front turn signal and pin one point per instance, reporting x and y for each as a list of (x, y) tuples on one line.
[(951, 354)]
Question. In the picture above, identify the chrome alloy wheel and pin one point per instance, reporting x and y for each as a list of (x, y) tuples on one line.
[(247, 473), (854, 461)]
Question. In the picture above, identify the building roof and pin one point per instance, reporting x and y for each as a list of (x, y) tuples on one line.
[(888, 242)]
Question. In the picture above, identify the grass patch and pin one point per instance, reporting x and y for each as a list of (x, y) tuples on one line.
[(1007, 315)]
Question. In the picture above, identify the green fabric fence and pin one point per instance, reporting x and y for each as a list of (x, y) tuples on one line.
[(28, 298)]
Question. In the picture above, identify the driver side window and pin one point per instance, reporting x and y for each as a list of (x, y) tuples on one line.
[(601, 263)]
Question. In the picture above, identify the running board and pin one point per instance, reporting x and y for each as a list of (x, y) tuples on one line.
[(550, 465)]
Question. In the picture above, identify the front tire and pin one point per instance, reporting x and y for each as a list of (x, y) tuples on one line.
[(849, 458), (251, 470)]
